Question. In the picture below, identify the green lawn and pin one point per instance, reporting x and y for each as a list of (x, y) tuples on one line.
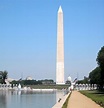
[(96, 96), (49, 86)]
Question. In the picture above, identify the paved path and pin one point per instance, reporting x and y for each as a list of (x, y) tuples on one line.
[(78, 100)]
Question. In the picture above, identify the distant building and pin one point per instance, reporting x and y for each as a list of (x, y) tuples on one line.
[(8, 80), (29, 78), (69, 80)]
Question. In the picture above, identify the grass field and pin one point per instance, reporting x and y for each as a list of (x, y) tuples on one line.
[(96, 96), (49, 86)]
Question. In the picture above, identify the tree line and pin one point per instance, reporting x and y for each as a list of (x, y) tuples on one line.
[(33, 82), (96, 76), (4, 75)]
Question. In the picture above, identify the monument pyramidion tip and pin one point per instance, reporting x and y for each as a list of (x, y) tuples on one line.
[(60, 10)]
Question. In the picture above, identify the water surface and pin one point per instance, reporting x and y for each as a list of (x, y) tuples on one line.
[(23, 99)]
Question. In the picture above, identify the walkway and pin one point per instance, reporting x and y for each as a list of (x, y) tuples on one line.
[(77, 100)]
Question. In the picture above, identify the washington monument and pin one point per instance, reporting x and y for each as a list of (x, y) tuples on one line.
[(60, 49)]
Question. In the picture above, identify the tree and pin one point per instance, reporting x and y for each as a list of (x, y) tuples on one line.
[(84, 81), (3, 75), (94, 76), (100, 61)]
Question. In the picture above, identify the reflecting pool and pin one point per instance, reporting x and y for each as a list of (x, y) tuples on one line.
[(29, 99)]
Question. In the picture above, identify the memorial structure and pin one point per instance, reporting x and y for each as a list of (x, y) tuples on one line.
[(60, 49)]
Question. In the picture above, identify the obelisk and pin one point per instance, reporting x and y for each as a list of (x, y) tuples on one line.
[(60, 49)]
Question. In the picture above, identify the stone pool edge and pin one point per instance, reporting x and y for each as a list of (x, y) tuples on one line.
[(60, 103)]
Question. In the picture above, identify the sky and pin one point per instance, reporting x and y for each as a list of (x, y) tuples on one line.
[(28, 36)]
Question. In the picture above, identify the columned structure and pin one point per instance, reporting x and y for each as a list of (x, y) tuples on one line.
[(60, 49)]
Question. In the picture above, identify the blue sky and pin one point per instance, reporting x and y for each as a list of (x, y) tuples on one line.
[(28, 33)]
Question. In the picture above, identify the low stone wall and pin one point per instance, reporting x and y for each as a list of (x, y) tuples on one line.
[(60, 103)]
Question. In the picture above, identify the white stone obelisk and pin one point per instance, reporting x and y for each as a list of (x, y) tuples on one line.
[(60, 49)]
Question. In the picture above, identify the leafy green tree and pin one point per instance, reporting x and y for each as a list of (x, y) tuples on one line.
[(0, 79), (84, 81), (3, 75), (100, 61), (94, 76)]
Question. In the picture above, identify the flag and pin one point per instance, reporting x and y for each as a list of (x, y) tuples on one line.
[(75, 80)]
